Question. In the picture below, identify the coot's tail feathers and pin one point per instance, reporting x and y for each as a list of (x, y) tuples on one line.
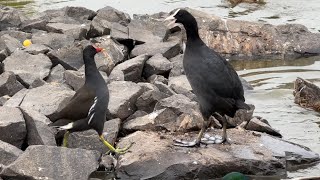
[(242, 105)]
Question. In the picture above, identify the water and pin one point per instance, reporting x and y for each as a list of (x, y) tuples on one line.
[(272, 80)]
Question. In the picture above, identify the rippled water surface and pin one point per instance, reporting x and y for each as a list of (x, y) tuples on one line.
[(272, 80)]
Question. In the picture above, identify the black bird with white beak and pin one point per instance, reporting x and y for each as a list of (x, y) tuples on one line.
[(213, 80), (88, 107)]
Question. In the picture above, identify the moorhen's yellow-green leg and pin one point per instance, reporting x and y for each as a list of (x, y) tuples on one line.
[(116, 150), (65, 139)]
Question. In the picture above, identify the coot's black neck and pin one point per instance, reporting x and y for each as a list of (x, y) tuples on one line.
[(192, 30)]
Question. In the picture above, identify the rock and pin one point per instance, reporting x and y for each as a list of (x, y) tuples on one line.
[(39, 133), (306, 94), (114, 51), (90, 140), (28, 67), (99, 27), (10, 17), (190, 121), (79, 13), (47, 99), (12, 126), (4, 99), (12, 44), (70, 57), (35, 23), (157, 64), (104, 63), (138, 31), (56, 74), (17, 99), (3, 54), (119, 31), (157, 120), (108, 162), (256, 125), (178, 102), (157, 78), (132, 68), (37, 49), (77, 31), (76, 79), (116, 75), (167, 49), (37, 83), (177, 66), (113, 15), (9, 85), (147, 101), (136, 114), (53, 40), (180, 81), (154, 157), (164, 88), (36, 162), (181, 90), (242, 115), (123, 96), (19, 35), (9, 153)]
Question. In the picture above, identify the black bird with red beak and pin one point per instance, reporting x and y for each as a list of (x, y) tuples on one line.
[(88, 107), (213, 80)]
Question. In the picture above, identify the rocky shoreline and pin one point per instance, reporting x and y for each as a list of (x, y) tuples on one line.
[(151, 101)]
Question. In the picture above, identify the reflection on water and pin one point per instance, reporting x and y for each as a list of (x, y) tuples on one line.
[(16, 4)]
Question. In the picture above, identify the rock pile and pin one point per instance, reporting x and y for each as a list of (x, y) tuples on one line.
[(151, 101)]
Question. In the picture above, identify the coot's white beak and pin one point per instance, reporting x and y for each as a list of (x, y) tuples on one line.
[(171, 19)]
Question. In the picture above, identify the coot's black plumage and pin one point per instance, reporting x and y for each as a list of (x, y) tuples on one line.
[(213, 80), (88, 107)]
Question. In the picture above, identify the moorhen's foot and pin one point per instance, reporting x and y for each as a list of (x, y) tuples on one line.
[(115, 150), (184, 143)]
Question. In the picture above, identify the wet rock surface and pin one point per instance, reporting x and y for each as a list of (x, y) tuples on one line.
[(151, 101)]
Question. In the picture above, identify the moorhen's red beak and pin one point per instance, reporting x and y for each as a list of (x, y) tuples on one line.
[(98, 49)]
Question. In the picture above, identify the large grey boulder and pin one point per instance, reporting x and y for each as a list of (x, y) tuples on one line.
[(180, 81), (9, 153), (138, 31), (132, 68), (123, 95), (56, 74), (17, 99), (39, 133), (37, 162), (99, 27), (153, 156), (157, 64), (47, 99), (113, 15), (53, 40), (12, 126), (77, 31), (177, 66), (114, 51), (148, 99), (167, 49), (90, 140), (9, 85), (28, 67), (10, 17), (19, 35), (37, 49), (178, 102), (80, 14), (11, 43)]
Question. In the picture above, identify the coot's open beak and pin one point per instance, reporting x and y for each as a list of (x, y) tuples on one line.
[(171, 19)]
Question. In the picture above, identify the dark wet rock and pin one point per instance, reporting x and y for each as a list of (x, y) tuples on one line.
[(148, 99), (242, 115), (154, 156), (19, 35), (70, 57), (11, 44), (9, 153), (157, 64), (123, 96), (115, 51), (53, 40), (136, 114), (256, 124), (157, 78), (157, 120), (12, 126), (28, 67), (236, 39), (37, 83), (37, 49), (90, 140), (77, 31), (113, 15), (56, 74), (132, 68), (17, 99), (10, 17), (3, 54), (36, 162), (116, 75), (246, 85), (164, 88), (39, 133), (47, 99), (4, 99), (306, 94), (178, 102), (9, 84), (75, 79), (167, 49)]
